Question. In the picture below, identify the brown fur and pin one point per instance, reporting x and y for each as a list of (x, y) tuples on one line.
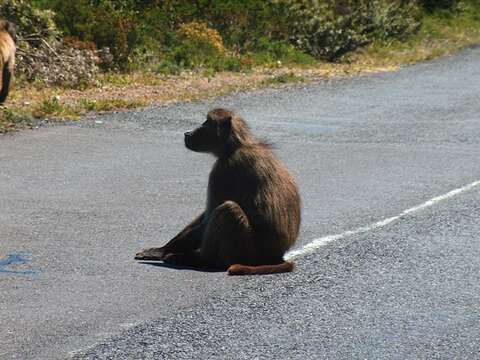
[(252, 215), (7, 56)]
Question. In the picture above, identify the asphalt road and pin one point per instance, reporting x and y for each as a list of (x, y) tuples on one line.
[(77, 202)]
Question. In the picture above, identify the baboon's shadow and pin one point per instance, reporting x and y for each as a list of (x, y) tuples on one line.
[(179, 267)]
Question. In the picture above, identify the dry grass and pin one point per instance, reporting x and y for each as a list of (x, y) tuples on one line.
[(127, 91)]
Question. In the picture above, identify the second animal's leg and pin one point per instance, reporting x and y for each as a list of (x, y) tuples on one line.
[(187, 240), (7, 73), (228, 239)]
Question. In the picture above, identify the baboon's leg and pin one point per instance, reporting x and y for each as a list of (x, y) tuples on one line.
[(228, 236), (7, 73), (187, 240), (227, 240)]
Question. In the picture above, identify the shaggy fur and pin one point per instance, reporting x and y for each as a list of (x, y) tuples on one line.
[(252, 215), (7, 56)]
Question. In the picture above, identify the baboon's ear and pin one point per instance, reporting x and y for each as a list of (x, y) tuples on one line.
[(224, 127)]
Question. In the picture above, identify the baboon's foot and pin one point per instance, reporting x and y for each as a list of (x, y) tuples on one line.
[(151, 254)]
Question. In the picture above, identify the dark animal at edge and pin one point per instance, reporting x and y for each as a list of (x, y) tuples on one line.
[(8, 37)]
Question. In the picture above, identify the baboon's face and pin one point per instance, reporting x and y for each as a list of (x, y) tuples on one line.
[(211, 136)]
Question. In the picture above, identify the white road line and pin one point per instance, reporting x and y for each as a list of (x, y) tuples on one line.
[(319, 242)]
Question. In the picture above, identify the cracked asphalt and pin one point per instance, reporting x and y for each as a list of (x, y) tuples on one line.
[(77, 201)]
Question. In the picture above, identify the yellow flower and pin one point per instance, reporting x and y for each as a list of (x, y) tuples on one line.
[(198, 31)]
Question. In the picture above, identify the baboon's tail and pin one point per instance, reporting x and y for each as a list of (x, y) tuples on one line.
[(6, 77), (239, 269)]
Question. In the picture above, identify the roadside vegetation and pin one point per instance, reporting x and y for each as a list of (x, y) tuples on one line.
[(82, 56)]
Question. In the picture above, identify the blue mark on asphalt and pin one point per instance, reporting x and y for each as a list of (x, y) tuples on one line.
[(16, 259)]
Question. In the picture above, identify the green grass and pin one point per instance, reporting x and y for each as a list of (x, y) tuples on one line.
[(103, 105), (116, 79), (286, 78), (53, 108), (276, 53), (268, 54), (10, 120)]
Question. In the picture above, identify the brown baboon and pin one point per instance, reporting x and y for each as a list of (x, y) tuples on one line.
[(252, 215), (8, 37)]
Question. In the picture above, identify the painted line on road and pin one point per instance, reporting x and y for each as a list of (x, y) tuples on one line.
[(319, 242)]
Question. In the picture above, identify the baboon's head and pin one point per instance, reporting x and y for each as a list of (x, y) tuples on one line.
[(10, 28), (222, 132)]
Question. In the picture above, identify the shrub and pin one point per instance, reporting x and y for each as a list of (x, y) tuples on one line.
[(203, 35), (115, 24), (138, 31), (195, 45), (169, 35), (28, 18), (319, 30), (41, 56), (328, 29), (241, 23), (57, 63), (270, 52), (432, 5), (167, 67), (198, 45), (392, 19)]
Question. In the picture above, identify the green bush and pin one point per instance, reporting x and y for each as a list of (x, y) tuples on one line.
[(28, 18), (329, 29), (392, 19), (432, 5), (195, 45), (117, 24), (317, 28), (168, 67), (241, 23), (271, 52), (140, 32), (191, 54)]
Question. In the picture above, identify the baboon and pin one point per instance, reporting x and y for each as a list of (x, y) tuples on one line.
[(252, 215), (8, 37)]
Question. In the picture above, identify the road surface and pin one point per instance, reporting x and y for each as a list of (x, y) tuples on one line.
[(77, 201)]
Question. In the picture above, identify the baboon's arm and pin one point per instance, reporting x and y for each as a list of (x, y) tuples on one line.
[(7, 73), (187, 240)]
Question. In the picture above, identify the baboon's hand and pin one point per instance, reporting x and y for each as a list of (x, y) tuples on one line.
[(175, 259), (151, 254)]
